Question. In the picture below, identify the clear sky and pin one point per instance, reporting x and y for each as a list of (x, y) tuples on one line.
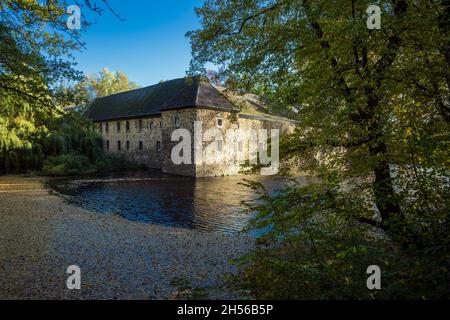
[(149, 46)]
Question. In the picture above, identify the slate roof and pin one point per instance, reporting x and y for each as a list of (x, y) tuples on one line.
[(195, 92)]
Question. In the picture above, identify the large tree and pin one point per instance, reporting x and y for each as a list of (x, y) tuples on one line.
[(94, 86), (373, 107), (35, 57)]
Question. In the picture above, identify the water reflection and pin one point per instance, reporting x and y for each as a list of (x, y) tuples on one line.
[(208, 204)]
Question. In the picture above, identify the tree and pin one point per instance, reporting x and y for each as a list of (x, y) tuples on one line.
[(107, 83), (35, 56), (94, 86), (373, 107), (217, 78)]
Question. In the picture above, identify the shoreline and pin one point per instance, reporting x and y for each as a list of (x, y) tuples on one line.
[(41, 235)]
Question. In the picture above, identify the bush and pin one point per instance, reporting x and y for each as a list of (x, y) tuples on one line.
[(67, 145), (110, 163), (66, 164), (78, 164)]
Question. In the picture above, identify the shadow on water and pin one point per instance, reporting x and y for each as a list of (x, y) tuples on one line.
[(208, 204)]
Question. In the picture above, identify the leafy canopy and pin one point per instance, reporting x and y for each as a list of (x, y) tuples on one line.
[(35, 58), (374, 113)]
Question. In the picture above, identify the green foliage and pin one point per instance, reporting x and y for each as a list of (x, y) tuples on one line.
[(107, 83), (373, 132), (35, 61), (93, 86), (66, 164), (69, 146), (314, 247)]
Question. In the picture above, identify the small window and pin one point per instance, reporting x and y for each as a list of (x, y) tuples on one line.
[(141, 145), (107, 127), (119, 145), (151, 125), (158, 146), (128, 145), (127, 126), (219, 145), (118, 126), (160, 124), (176, 121), (240, 146), (141, 125), (220, 123), (107, 144), (101, 127)]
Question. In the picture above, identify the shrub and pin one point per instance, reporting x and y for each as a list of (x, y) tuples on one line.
[(66, 164)]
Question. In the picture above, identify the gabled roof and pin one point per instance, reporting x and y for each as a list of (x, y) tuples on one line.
[(195, 92)]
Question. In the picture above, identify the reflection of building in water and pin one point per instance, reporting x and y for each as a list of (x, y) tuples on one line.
[(217, 202), (138, 124)]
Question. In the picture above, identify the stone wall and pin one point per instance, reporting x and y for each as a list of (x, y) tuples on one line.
[(218, 160), (149, 135), (233, 147), (186, 121)]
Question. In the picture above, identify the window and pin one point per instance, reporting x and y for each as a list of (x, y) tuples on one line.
[(101, 127), (141, 125), (176, 121), (151, 124), (219, 145), (119, 146), (127, 126), (107, 127), (118, 126), (128, 145), (158, 146), (141, 145), (240, 146), (219, 123), (107, 144)]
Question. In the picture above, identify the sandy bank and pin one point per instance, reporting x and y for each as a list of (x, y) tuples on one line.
[(41, 235)]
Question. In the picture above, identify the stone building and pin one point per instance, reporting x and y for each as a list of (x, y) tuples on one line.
[(138, 124)]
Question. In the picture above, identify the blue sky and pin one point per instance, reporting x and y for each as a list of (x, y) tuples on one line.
[(149, 46)]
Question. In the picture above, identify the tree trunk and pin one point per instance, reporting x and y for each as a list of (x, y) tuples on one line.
[(394, 221)]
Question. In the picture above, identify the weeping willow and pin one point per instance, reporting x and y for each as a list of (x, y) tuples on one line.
[(34, 59)]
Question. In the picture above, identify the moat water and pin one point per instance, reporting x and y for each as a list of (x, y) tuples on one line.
[(208, 204)]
